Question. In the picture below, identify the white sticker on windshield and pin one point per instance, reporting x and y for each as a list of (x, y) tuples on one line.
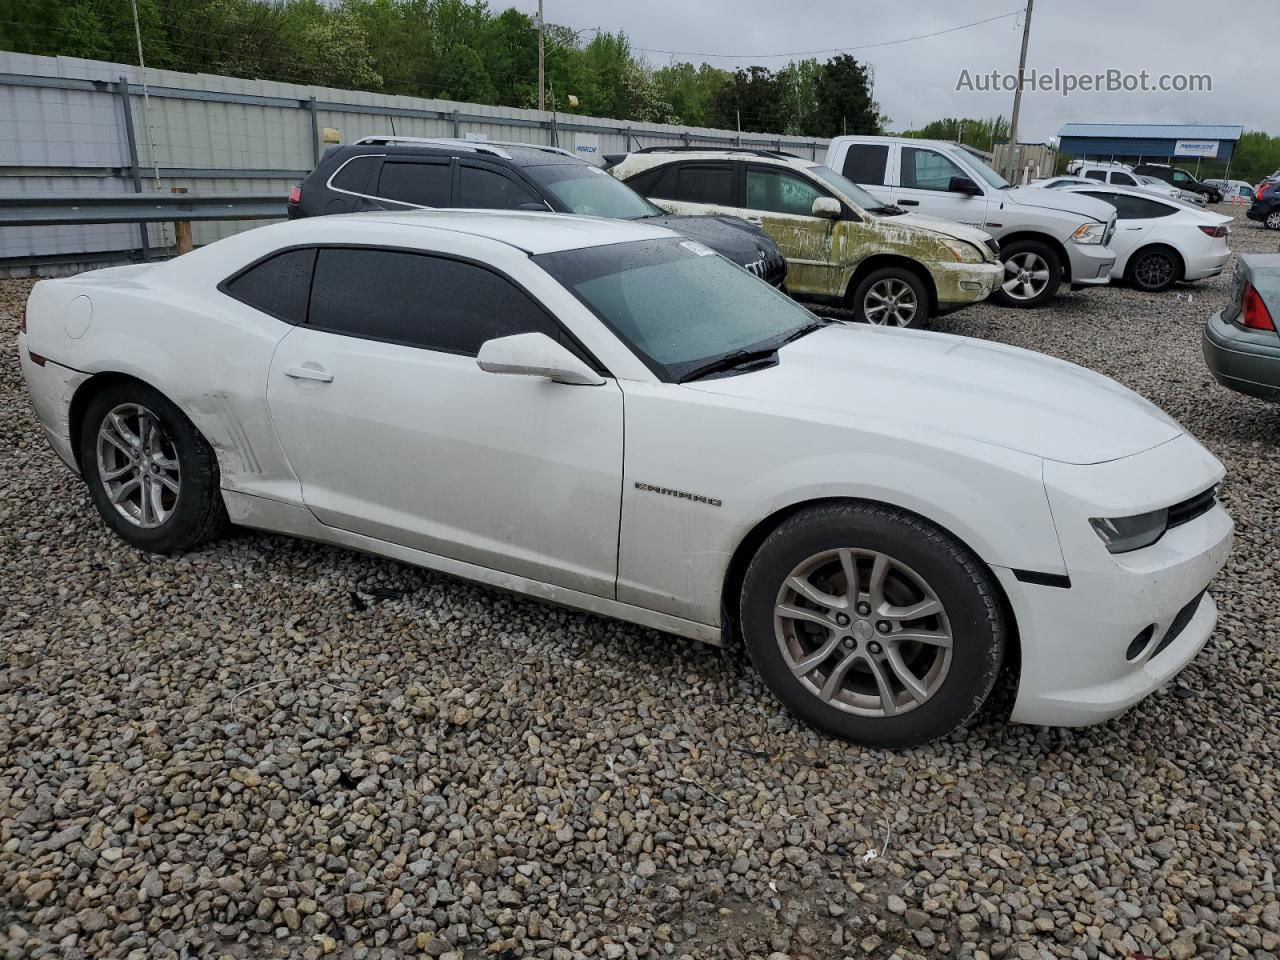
[(693, 246)]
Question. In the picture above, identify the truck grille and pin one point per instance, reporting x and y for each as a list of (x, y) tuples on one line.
[(993, 245)]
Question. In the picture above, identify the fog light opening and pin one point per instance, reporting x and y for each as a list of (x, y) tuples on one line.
[(1138, 645)]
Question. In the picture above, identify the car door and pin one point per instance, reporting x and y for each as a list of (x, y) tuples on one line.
[(924, 180), (396, 434), (481, 186), (781, 202), (698, 187), (1133, 223)]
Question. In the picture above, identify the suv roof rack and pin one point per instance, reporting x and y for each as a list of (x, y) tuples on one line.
[(714, 149), (493, 147)]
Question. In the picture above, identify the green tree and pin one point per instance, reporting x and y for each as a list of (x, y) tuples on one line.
[(751, 100), (689, 90), (844, 100)]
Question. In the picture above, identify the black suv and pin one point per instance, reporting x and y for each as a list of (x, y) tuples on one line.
[(1266, 205), (1180, 179), (398, 173)]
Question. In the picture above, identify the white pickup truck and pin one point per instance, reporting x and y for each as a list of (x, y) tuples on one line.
[(1047, 237)]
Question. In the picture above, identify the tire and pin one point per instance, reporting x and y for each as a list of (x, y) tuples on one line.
[(1273, 220), (1154, 269), (893, 297), (955, 680), (186, 507), (1033, 258)]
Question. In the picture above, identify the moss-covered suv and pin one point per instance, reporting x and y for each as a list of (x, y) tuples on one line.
[(842, 245)]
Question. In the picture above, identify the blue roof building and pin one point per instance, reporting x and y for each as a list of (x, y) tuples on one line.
[(1159, 142)]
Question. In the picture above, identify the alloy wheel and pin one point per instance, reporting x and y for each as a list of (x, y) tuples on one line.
[(1155, 270), (1026, 276), (863, 632), (138, 465), (1273, 220), (890, 302)]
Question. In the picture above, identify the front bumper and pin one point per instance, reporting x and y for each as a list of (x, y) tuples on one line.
[(1076, 640), (1246, 361), (1090, 264), (960, 284)]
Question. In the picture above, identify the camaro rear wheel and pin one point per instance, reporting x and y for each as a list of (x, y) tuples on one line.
[(891, 297), (872, 624), (151, 474), (1154, 269), (1032, 273)]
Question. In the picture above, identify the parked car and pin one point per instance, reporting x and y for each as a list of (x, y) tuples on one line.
[(403, 173), (1233, 189), (1160, 242), (842, 246), (1241, 346), (1179, 178), (1160, 188), (885, 517), (1120, 176), (1047, 237), (1266, 205)]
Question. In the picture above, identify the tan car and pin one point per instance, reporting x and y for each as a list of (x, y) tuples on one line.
[(842, 245)]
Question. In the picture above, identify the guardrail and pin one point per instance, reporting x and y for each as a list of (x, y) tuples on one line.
[(55, 209)]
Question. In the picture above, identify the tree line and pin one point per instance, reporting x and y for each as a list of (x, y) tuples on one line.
[(447, 49)]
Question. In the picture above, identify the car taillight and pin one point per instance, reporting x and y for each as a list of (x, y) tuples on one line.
[(295, 195), (1255, 315), (1214, 231)]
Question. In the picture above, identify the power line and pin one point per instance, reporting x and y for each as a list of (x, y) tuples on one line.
[(814, 53)]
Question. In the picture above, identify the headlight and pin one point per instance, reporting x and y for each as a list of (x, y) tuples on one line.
[(961, 251), (1122, 534), (1089, 233)]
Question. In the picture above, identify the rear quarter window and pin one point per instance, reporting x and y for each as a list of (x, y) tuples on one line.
[(279, 286), (356, 175), (866, 162)]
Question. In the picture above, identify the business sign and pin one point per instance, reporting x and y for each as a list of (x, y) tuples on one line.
[(586, 146), (1204, 149)]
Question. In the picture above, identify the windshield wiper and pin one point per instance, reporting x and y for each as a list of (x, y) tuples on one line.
[(732, 361)]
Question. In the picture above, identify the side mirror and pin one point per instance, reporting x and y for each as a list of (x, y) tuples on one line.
[(535, 355), (963, 185), (826, 207)]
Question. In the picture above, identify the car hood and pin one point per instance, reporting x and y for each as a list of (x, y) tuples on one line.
[(1058, 200), (959, 387), (731, 237), (948, 228)]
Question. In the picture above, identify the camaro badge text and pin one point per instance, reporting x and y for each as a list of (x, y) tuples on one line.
[(667, 491)]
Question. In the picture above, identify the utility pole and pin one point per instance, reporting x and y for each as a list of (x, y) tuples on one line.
[(542, 97), (1017, 95)]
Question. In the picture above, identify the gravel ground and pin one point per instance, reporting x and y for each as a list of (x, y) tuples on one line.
[(272, 748)]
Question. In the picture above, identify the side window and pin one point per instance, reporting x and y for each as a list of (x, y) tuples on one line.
[(928, 169), (1180, 177), (865, 163), (780, 192), (419, 300), (278, 286), (1122, 178), (1132, 208), (423, 184), (1095, 174), (356, 175), (643, 183), (698, 183), (478, 187)]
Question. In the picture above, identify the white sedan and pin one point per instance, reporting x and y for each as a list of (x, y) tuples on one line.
[(612, 417), (1158, 242)]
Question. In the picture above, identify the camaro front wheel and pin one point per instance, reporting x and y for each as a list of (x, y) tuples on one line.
[(872, 624), (152, 476)]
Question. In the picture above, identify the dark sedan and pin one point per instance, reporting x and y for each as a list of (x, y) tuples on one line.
[(1241, 345)]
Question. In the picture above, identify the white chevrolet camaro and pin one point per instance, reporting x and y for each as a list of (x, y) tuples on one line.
[(609, 416)]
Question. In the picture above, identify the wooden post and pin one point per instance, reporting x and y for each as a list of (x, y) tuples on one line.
[(181, 229)]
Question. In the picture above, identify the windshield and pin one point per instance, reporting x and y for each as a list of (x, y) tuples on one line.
[(591, 192), (985, 172), (846, 187), (676, 303)]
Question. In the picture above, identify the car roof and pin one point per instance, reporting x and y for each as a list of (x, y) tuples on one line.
[(722, 153), (517, 154), (534, 232)]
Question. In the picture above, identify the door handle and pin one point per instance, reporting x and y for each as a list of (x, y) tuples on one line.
[(908, 203), (309, 373)]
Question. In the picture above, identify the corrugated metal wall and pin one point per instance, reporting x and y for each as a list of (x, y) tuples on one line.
[(63, 129)]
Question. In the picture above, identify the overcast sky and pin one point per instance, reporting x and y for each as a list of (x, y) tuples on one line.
[(915, 82)]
